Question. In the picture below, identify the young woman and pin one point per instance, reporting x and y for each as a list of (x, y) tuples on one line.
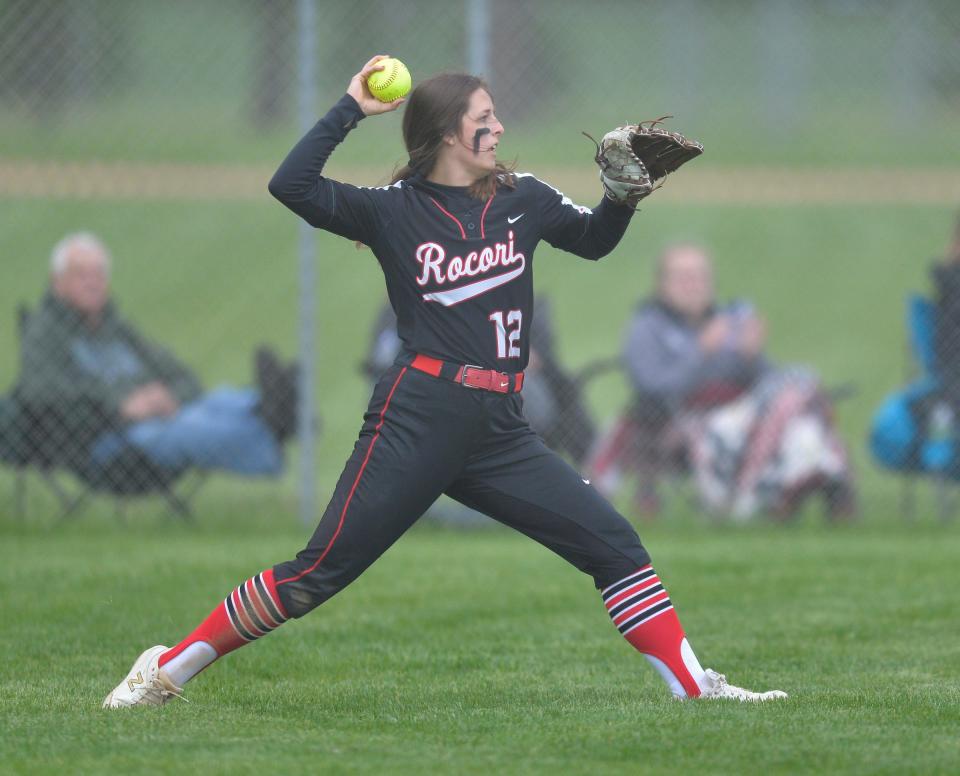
[(455, 235)]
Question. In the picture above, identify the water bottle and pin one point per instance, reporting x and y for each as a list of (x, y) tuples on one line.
[(937, 451), (739, 312)]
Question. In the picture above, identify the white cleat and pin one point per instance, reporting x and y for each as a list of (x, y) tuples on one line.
[(146, 684), (718, 687)]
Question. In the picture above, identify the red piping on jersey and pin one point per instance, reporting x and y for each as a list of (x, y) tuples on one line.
[(343, 512), (447, 213), (484, 213)]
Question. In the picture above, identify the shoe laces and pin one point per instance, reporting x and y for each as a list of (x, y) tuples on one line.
[(157, 691), (721, 687), (719, 682)]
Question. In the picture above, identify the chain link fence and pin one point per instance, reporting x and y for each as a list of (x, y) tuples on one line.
[(163, 344)]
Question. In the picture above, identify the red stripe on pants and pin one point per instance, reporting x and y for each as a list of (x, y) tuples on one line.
[(346, 505)]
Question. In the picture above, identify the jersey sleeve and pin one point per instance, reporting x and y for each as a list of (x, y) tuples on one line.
[(590, 234), (346, 210)]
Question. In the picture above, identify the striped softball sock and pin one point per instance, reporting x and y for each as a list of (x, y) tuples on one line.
[(252, 610), (641, 609)]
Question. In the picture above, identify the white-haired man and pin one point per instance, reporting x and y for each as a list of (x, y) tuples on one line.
[(79, 352)]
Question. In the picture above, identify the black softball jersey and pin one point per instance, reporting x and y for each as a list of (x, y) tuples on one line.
[(459, 270)]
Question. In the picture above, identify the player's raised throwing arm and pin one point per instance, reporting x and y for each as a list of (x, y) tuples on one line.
[(590, 234), (298, 183)]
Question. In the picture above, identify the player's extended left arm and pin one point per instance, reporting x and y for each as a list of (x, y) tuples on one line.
[(590, 234)]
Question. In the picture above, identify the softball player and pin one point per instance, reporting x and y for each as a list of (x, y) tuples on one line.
[(455, 236)]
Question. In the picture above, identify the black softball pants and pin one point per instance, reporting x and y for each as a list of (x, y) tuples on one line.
[(423, 436)]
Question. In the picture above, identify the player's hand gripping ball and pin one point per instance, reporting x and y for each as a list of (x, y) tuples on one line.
[(391, 83)]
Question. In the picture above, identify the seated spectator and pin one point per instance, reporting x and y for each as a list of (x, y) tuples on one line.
[(915, 428), (756, 437), (80, 356), (552, 397), (946, 341)]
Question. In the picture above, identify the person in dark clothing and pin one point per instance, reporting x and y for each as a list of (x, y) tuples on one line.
[(553, 399), (915, 429), (946, 284), (455, 236), (79, 352)]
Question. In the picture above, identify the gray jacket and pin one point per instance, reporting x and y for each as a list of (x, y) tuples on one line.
[(665, 363)]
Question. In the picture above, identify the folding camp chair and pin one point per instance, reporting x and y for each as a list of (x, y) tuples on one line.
[(49, 441), (45, 448), (921, 362)]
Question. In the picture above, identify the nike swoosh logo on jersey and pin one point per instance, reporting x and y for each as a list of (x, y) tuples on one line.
[(514, 219), (469, 291)]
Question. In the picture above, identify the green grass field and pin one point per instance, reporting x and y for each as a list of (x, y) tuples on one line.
[(479, 652)]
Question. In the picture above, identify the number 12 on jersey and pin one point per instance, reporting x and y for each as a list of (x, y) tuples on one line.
[(508, 332)]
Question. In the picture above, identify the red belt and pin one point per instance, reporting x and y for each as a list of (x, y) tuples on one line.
[(469, 375)]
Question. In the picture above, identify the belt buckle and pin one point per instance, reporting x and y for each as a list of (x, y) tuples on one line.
[(463, 376)]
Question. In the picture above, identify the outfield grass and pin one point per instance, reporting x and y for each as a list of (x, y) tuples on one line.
[(462, 653), (479, 652), (483, 653)]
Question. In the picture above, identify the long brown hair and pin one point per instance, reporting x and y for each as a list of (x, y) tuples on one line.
[(434, 109)]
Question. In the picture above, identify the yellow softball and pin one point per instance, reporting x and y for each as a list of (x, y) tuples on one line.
[(391, 83)]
